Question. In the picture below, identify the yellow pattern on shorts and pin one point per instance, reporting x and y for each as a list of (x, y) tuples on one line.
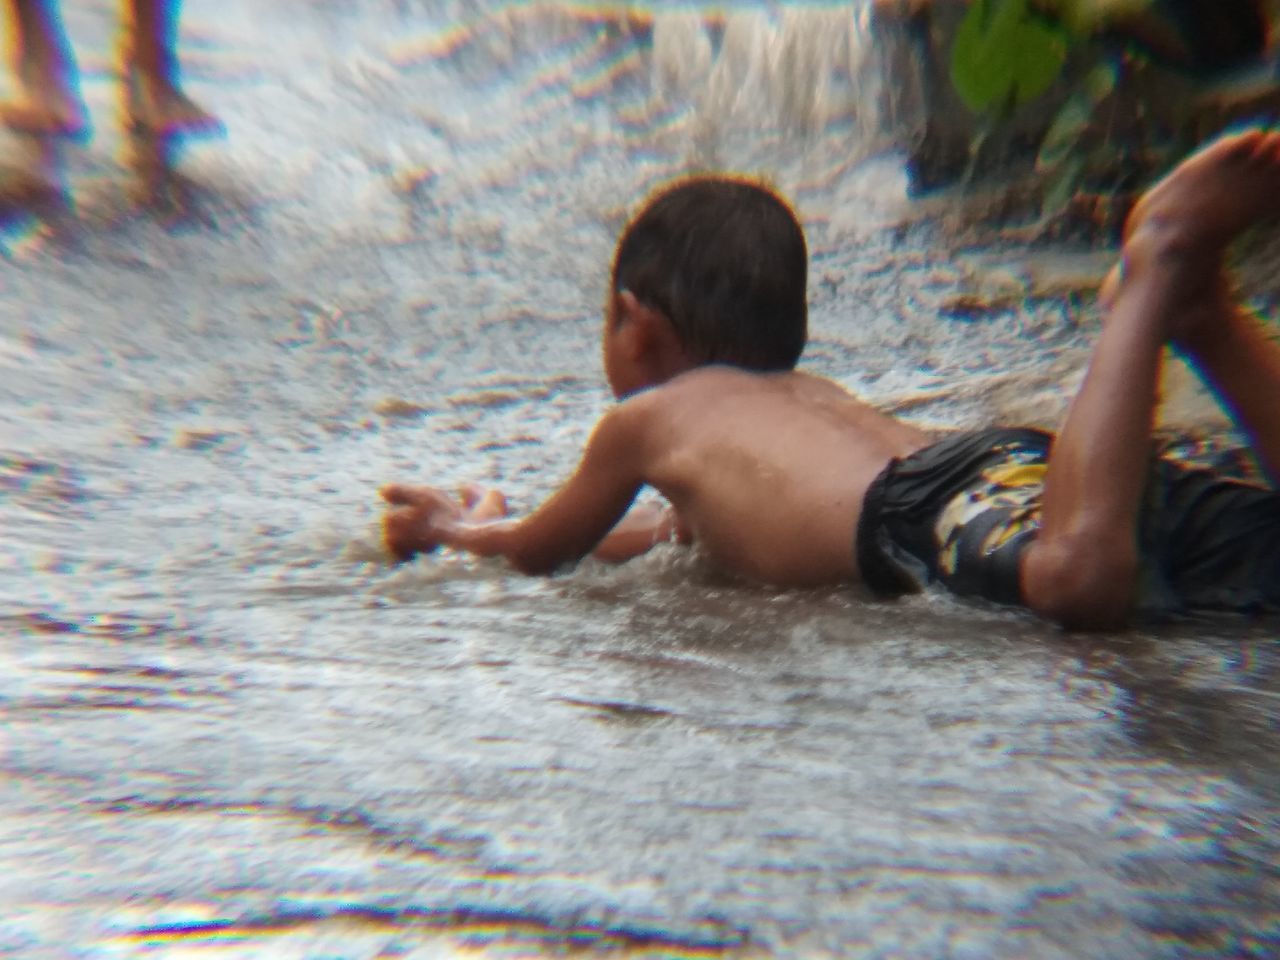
[(1015, 485)]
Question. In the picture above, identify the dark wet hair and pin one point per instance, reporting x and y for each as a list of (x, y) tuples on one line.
[(724, 259)]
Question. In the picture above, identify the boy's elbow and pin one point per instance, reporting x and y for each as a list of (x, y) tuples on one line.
[(534, 559), (1081, 583), (531, 563)]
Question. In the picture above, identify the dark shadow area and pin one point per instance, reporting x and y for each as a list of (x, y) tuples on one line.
[(174, 199)]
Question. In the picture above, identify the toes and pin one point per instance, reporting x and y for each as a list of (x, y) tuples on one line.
[(1262, 143), (1111, 286), (1269, 149), (1242, 146), (492, 506), (1253, 147), (1229, 150)]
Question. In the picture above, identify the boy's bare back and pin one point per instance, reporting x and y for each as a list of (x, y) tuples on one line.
[(767, 471)]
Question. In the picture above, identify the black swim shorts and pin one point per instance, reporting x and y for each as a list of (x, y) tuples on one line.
[(960, 513)]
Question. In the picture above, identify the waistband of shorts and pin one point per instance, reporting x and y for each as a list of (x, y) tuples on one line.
[(880, 575), (879, 569)]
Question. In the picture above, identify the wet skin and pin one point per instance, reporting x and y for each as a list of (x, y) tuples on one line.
[(765, 472)]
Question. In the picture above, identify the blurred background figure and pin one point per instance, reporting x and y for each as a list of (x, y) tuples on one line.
[(47, 109), (49, 101)]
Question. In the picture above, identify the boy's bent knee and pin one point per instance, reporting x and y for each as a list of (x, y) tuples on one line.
[(1081, 582)]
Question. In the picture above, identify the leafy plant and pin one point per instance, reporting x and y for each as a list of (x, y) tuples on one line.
[(1007, 53), (1060, 160)]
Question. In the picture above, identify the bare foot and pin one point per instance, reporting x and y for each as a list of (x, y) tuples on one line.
[(1186, 221), (156, 105), (21, 190), (45, 110), (1214, 194)]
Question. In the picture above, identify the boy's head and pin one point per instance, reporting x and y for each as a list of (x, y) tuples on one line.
[(724, 261)]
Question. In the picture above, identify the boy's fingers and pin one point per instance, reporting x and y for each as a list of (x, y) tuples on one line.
[(490, 506), (405, 495), (470, 494), (396, 494), (403, 536)]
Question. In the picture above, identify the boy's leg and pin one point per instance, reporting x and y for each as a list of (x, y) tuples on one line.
[(154, 97), (1224, 341), (1082, 567), (48, 103), (1232, 352)]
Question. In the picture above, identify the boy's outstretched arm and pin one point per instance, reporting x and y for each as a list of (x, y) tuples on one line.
[(576, 520)]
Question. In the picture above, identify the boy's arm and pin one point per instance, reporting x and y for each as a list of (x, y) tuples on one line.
[(1082, 567), (574, 521), (640, 531)]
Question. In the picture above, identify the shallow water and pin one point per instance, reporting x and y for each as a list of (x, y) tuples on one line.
[(231, 729)]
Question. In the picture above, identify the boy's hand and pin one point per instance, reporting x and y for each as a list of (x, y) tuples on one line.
[(421, 518), (482, 504)]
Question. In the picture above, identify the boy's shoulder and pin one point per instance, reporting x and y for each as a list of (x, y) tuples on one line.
[(709, 387), (703, 391), (719, 377), (728, 396), (686, 399)]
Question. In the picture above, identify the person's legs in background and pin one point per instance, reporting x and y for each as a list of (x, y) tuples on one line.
[(154, 99), (48, 101)]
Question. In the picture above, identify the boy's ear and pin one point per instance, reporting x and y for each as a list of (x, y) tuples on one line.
[(649, 338)]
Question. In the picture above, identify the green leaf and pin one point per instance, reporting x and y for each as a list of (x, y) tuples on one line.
[(1038, 56), (1003, 54), (1101, 81), (1068, 126), (1062, 187), (979, 82)]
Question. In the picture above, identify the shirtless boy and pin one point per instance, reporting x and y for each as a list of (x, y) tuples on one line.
[(787, 479)]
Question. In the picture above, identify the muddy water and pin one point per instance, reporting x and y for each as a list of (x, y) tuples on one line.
[(230, 729)]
